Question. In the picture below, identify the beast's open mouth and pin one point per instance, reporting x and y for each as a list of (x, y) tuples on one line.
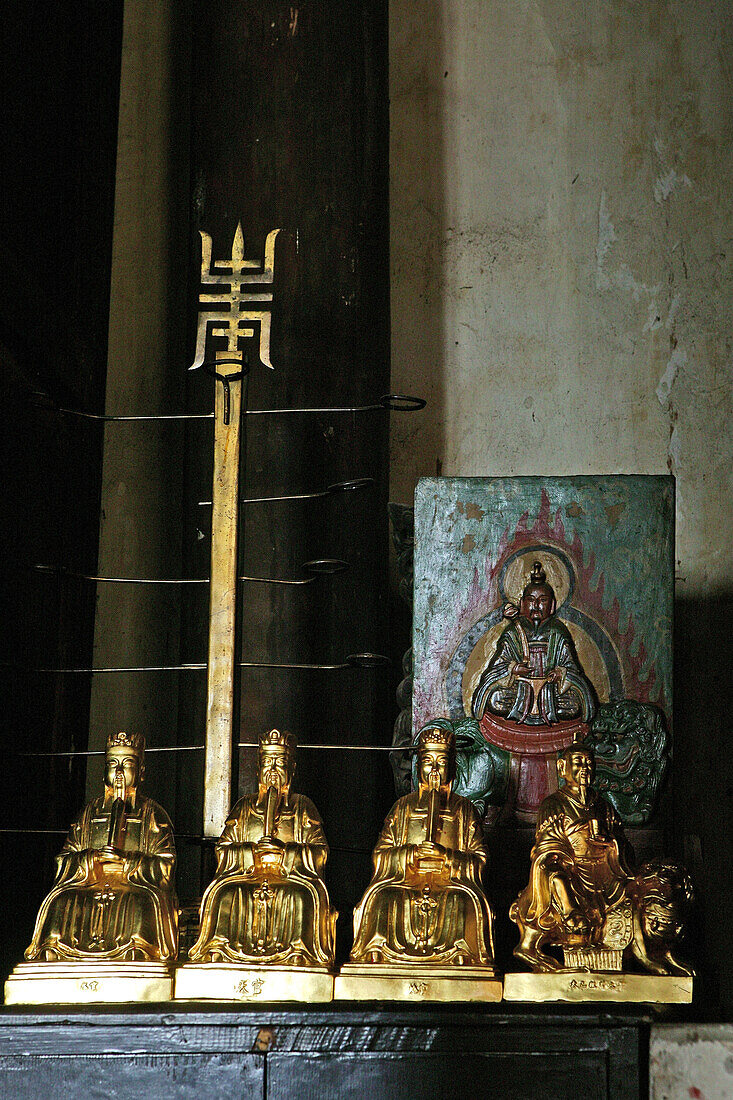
[(622, 766)]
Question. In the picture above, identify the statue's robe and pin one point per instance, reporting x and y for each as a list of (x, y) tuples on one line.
[(504, 707), (270, 916), (583, 843), (545, 648), (407, 916), (131, 913)]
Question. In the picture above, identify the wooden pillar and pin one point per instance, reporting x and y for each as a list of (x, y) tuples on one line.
[(289, 131)]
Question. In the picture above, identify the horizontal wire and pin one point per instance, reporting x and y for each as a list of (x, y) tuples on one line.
[(271, 500), (101, 752), (373, 661), (166, 580), (350, 748), (339, 487), (396, 402), (159, 416), (196, 838), (325, 409), (276, 580), (36, 832), (210, 416), (61, 571), (154, 580), (131, 668), (327, 668), (200, 748)]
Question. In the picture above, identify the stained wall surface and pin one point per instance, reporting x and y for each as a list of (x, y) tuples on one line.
[(689, 1061), (561, 295), (561, 264)]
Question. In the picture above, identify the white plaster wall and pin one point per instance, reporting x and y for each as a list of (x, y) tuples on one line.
[(561, 247), (691, 1062)]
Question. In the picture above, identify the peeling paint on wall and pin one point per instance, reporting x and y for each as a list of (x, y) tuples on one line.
[(666, 185), (606, 237), (677, 359), (668, 181)]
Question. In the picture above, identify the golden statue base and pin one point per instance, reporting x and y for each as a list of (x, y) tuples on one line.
[(585, 985), (382, 982), (88, 983), (233, 982)]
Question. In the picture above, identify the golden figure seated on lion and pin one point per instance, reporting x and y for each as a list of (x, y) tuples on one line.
[(583, 900)]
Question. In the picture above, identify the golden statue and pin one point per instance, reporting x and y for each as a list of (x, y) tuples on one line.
[(583, 899), (113, 905), (425, 909), (267, 906), (113, 897)]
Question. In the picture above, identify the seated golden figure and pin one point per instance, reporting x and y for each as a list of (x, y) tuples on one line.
[(113, 899), (425, 903), (584, 899), (268, 902)]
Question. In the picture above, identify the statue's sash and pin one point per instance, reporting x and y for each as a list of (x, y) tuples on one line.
[(524, 740)]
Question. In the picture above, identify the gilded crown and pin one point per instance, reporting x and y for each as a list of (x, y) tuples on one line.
[(434, 735), (275, 739), (133, 741)]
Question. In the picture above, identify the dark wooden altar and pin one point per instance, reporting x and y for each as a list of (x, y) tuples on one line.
[(314, 1053)]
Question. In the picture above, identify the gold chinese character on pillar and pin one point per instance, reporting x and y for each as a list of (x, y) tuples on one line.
[(234, 322), (239, 308)]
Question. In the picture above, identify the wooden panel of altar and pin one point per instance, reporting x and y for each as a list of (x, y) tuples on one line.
[(265, 1051)]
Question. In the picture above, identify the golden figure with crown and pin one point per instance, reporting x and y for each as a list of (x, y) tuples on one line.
[(424, 926), (267, 927), (108, 929)]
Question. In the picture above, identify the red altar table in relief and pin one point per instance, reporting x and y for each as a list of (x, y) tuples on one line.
[(532, 770)]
